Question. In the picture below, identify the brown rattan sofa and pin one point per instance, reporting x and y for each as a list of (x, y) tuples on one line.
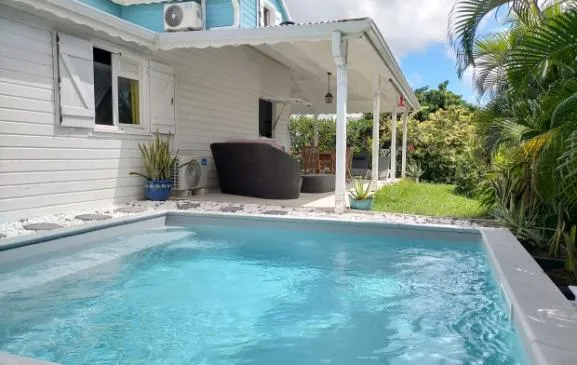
[(256, 169)]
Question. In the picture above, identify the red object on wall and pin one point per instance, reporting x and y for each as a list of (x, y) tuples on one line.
[(401, 100)]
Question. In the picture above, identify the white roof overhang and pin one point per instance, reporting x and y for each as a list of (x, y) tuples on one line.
[(305, 48)]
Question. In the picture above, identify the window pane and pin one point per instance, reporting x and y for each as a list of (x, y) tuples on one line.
[(128, 101), (265, 118), (103, 86)]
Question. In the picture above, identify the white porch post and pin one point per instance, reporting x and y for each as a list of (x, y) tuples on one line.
[(339, 50), (394, 144), (316, 130), (404, 155), (376, 133)]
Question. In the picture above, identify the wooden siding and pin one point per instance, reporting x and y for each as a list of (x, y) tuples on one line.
[(46, 168), (217, 93), (105, 5), (248, 13)]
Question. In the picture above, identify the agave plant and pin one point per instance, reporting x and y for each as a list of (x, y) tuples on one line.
[(360, 191), (415, 171), (158, 161)]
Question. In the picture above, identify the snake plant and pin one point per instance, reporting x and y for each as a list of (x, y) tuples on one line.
[(158, 161)]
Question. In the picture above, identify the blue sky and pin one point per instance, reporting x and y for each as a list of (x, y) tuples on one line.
[(433, 65)]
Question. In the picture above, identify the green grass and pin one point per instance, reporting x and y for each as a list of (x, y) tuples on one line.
[(435, 200)]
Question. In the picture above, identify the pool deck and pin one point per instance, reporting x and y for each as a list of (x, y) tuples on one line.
[(546, 321)]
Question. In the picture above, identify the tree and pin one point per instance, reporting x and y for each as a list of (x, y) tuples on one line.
[(432, 100), (529, 126)]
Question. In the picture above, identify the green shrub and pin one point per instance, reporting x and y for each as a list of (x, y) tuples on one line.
[(468, 177), (442, 142)]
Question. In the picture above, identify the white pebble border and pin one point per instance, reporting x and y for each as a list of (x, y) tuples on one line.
[(67, 219)]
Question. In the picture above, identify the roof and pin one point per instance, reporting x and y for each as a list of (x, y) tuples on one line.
[(305, 47)]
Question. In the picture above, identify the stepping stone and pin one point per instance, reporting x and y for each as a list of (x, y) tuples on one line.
[(230, 209), (184, 206), (130, 210), (275, 212), (93, 217), (41, 226)]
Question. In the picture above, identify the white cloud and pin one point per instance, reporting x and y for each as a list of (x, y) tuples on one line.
[(408, 25)]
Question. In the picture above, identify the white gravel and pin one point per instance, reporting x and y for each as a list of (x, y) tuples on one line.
[(67, 219)]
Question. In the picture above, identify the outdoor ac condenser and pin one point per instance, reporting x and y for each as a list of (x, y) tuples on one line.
[(190, 175), (183, 16)]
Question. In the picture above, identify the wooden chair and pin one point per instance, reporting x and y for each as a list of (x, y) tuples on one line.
[(349, 160), (310, 162)]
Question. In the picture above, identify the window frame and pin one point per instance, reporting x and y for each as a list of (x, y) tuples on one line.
[(264, 4), (117, 55)]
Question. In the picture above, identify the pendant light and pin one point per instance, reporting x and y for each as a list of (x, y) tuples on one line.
[(329, 96)]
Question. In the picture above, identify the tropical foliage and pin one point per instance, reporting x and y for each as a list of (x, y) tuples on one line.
[(527, 77), (157, 158), (442, 143)]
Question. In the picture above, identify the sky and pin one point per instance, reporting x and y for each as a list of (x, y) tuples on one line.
[(416, 31)]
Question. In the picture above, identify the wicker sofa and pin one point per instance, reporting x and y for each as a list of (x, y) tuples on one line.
[(256, 169)]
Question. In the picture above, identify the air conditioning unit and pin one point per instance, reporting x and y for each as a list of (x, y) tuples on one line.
[(183, 16), (190, 175)]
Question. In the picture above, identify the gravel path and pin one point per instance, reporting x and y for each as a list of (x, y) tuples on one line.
[(16, 228)]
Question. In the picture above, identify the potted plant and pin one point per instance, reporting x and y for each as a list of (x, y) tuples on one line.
[(158, 167), (360, 196)]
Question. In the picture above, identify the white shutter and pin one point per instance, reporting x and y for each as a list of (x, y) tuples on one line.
[(162, 98), (76, 82)]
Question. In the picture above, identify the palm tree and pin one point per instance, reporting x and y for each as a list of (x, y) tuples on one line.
[(529, 76)]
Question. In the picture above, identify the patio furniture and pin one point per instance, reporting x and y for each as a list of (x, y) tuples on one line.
[(333, 164), (318, 183), (256, 169), (360, 165), (310, 160)]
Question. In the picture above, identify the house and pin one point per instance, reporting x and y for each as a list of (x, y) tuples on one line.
[(82, 82)]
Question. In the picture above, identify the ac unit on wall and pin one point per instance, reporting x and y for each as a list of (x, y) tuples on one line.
[(183, 16), (190, 175)]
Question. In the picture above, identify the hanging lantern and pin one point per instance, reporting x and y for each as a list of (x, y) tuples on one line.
[(401, 101), (329, 96)]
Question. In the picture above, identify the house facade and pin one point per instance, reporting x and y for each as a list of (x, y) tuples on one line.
[(83, 82), (74, 148)]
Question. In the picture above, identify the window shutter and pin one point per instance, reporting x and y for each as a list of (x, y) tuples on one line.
[(76, 82), (162, 98)]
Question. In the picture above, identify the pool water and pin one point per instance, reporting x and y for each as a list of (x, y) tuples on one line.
[(226, 295)]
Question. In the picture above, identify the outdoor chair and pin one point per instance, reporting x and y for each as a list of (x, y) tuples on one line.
[(256, 169)]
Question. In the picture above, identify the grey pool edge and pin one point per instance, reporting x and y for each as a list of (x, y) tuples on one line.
[(545, 320)]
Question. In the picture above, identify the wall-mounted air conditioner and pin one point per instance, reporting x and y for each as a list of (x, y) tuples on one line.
[(183, 16)]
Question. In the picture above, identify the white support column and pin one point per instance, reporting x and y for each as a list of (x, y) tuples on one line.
[(339, 50), (394, 144), (316, 130), (404, 155), (376, 132)]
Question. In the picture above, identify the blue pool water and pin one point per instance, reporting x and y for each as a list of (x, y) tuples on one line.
[(225, 295)]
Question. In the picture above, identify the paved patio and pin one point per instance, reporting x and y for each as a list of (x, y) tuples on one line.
[(324, 201)]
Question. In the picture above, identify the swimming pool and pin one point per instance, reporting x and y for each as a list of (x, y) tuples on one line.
[(240, 292)]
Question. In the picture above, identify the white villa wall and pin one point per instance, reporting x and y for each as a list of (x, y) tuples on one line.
[(46, 168)]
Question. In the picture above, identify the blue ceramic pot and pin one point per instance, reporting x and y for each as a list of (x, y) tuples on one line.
[(157, 190), (366, 204)]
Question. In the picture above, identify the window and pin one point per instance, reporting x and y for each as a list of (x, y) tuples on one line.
[(103, 86), (266, 17), (117, 89), (265, 118)]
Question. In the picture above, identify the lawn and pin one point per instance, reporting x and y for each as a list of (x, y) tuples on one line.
[(435, 200)]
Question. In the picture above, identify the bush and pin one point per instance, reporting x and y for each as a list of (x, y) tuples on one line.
[(468, 177), (442, 142)]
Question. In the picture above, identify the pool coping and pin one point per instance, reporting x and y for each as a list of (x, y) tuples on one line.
[(545, 320)]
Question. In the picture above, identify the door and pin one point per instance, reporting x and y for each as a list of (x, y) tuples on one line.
[(265, 118)]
